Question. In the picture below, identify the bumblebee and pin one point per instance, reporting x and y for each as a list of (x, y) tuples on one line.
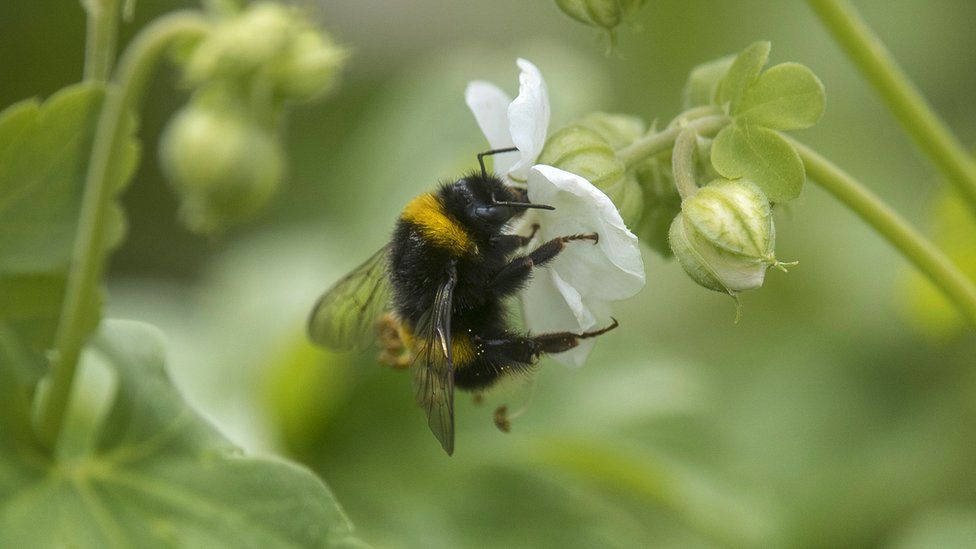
[(435, 295)]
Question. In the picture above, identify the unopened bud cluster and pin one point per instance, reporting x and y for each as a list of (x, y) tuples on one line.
[(221, 152), (722, 234), (271, 46)]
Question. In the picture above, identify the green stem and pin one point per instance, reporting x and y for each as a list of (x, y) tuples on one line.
[(88, 258), (653, 144), (927, 258), (908, 105), (683, 162), (103, 29)]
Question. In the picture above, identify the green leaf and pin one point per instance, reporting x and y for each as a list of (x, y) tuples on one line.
[(703, 81), (743, 72), (29, 307), (762, 156), (16, 435), (158, 475), (42, 169), (785, 97), (44, 153), (13, 120)]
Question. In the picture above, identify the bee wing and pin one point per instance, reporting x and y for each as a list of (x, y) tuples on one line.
[(433, 366), (344, 318)]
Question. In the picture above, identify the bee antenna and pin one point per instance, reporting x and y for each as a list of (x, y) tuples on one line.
[(526, 205), (481, 158)]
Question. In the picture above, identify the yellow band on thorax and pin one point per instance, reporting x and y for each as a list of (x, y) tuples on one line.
[(426, 212)]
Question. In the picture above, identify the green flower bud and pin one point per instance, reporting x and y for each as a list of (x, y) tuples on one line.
[(240, 46), (628, 197), (724, 236), (618, 130), (222, 163), (605, 14), (661, 203), (269, 45), (583, 151), (309, 67)]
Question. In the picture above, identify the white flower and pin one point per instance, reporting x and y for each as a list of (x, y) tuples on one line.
[(574, 291), (521, 123)]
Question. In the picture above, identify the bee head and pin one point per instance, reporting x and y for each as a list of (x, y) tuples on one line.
[(484, 203)]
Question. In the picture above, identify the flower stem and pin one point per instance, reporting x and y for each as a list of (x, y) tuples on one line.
[(102, 32), (88, 257), (659, 142), (905, 101), (926, 257), (683, 162)]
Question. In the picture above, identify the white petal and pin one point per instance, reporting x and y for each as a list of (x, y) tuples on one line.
[(528, 118), (610, 270), (551, 305), (489, 105)]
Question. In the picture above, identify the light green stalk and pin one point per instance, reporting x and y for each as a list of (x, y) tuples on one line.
[(905, 101)]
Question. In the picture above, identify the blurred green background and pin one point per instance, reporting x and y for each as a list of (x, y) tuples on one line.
[(840, 411)]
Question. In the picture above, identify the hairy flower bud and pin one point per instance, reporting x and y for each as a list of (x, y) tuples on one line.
[(606, 14), (661, 203), (724, 236), (309, 66), (271, 45), (242, 45), (222, 163), (584, 152), (618, 130)]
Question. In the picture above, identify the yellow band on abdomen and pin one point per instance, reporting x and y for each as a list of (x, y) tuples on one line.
[(462, 348)]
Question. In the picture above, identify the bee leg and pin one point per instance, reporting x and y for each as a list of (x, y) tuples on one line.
[(558, 342), (509, 350), (508, 243), (513, 276)]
